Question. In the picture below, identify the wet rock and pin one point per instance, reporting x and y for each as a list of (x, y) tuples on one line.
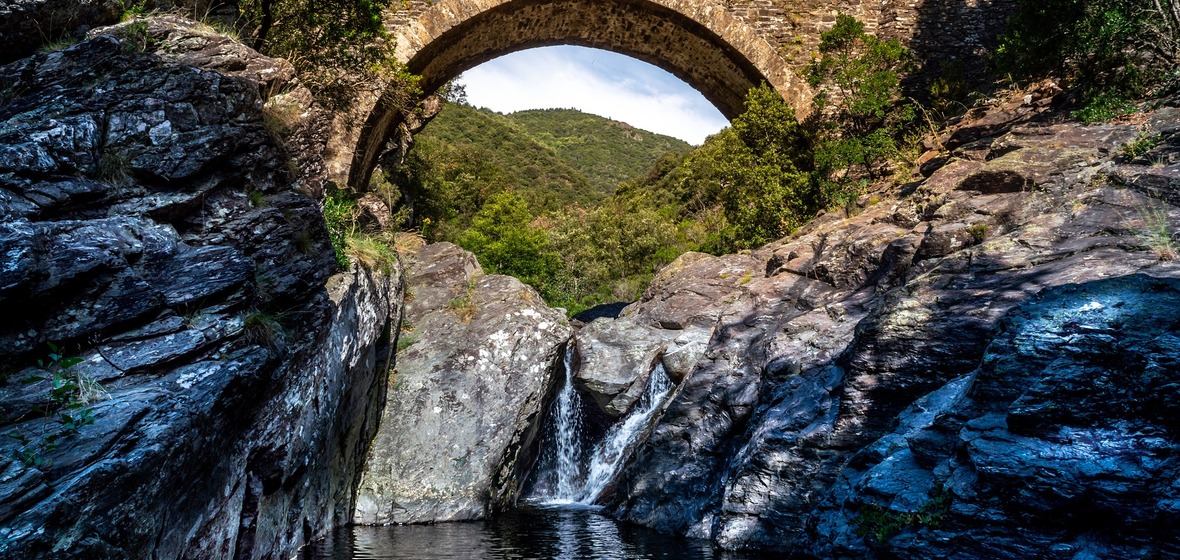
[(153, 228), (615, 358), (464, 404), (1068, 419), (812, 373)]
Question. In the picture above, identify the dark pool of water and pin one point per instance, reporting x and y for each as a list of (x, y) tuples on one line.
[(535, 533)]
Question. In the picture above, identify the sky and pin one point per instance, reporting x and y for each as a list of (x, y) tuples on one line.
[(593, 81)]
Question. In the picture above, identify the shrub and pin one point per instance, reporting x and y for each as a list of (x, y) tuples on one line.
[(503, 238), (1110, 51), (859, 98)]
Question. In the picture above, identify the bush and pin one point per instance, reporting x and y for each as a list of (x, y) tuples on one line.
[(859, 98), (502, 237), (1110, 51), (339, 47)]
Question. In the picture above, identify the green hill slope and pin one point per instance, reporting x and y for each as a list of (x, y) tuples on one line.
[(606, 152), (501, 154)]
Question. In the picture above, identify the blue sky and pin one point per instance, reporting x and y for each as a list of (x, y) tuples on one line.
[(594, 81)]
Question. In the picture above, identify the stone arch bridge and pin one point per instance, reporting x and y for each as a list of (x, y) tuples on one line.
[(720, 47)]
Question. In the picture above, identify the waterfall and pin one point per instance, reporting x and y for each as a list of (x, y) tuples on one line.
[(610, 452), (568, 478), (567, 414)]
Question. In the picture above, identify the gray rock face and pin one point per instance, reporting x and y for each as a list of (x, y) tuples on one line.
[(26, 24), (1062, 442), (824, 340), (464, 403), (153, 228), (615, 359)]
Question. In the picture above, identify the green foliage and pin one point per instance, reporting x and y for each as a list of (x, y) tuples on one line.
[(502, 189), (340, 215), (608, 253), (745, 186), (137, 38), (880, 522), (605, 152), (979, 232), (1111, 51), (69, 393), (1140, 146), (768, 190), (339, 47), (405, 341), (859, 77), (503, 238), (132, 9)]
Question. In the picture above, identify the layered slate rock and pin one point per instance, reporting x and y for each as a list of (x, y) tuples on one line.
[(156, 229), (839, 329), (479, 354), (1063, 442), (27, 24)]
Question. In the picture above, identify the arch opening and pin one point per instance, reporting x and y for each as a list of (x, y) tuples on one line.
[(697, 41), (593, 81)]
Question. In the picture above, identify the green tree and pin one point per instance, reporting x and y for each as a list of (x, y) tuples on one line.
[(858, 78), (768, 189), (1110, 51), (503, 238), (339, 47)]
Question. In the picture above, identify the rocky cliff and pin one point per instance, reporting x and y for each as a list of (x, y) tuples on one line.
[(980, 362), (212, 386), (477, 357)]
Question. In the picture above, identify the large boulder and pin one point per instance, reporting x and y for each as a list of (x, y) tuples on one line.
[(478, 355), (615, 358), (1070, 419), (156, 228)]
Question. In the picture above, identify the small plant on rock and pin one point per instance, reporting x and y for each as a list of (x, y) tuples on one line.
[(263, 329), (1157, 233), (880, 522), (1140, 146), (70, 392), (114, 166), (465, 306), (371, 251)]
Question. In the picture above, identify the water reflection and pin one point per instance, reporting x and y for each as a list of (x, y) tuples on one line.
[(536, 533)]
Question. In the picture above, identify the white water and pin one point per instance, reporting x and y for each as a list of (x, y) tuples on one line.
[(577, 481), (609, 453), (568, 426)]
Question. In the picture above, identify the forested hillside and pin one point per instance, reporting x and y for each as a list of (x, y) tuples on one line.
[(606, 152)]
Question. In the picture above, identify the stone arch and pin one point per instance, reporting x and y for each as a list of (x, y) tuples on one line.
[(699, 41)]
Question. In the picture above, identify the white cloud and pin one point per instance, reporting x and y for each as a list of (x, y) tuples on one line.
[(593, 81)]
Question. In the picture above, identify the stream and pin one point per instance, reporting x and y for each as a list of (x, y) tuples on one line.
[(559, 518)]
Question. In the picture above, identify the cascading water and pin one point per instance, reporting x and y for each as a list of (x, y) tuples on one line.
[(568, 424), (568, 479), (609, 453)]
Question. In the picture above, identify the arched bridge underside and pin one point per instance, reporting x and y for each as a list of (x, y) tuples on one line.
[(698, 41), (720, 47)]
